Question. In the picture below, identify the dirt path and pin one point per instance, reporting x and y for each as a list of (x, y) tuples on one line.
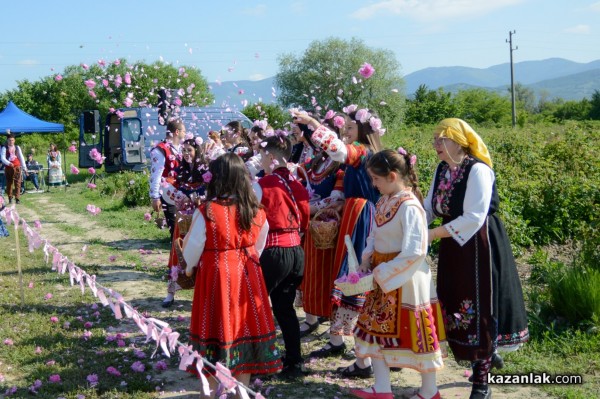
[(144, 290)]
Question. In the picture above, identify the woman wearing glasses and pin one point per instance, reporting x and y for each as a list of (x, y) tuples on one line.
[(488, 310)]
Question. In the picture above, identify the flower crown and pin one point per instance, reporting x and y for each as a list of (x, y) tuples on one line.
[(363, 116)]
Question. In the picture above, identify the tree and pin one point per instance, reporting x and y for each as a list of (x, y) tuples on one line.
[(62, 97), (430, 106), (484, 106), (326, 77), (525, 98), (275, 115), (595, 105)]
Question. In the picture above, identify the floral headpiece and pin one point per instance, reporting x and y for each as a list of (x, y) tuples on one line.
[(412, 160), (363, 116), (261, 124)]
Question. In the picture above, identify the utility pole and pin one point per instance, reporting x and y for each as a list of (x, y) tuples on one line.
[(512, 78)]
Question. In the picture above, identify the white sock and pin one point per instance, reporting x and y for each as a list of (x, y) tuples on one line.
[(336, 340), (169, 297), (311, 319), (382, 376), (428, 385), (363, 362)]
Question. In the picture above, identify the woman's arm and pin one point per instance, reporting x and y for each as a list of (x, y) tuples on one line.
[(193, 243)]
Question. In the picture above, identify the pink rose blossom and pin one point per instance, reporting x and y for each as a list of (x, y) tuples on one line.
[(138, 367), (366, 70), (113, 371), (147, 216), (90, 83), (74, 170), (58, 78), (54, 319), (160, 365), (72, 148), (339, 122), (54, 378), (92, 171), (8, 342), (92, 379), (353, 278), (91, 186)]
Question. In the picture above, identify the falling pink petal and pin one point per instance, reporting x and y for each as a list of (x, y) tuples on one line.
[(54, 319), (74, 170), (72, 148), (48, 296), (30, 284)]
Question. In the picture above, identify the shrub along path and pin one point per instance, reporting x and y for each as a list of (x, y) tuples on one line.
[(133, 268)]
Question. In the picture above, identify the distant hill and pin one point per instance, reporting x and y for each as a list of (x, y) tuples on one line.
[(553, 77), (228, 93)]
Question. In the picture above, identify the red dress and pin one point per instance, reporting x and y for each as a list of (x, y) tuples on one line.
[(231, 320)]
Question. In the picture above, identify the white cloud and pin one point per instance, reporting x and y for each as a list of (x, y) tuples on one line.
[(579, 29), (431, 10), (259, 10), (298, 7), (595, 7), (28, 62), (256, 76)]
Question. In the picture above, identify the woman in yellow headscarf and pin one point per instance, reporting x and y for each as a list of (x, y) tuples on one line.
[(477, 281)]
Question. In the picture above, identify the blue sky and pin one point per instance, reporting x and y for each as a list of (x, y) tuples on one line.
[(240, 40)]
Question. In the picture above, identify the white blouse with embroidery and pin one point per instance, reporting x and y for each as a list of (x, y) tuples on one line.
[(195, 239), (398, 228), (476, 204)]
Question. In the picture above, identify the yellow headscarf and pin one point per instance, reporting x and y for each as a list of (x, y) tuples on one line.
[(461, 133)]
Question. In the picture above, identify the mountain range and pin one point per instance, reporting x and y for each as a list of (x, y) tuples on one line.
[(550, 78)]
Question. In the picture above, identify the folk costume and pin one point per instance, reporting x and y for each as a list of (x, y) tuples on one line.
[(14, 165), (488, 311), (165, 158), (190, 184), (231, 319), (286, 202), (325, 178), (401, 321), (357, 219)]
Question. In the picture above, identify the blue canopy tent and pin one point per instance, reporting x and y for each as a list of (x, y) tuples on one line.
[(17, 122)]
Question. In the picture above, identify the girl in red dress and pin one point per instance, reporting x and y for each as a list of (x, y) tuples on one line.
[(231, 320)]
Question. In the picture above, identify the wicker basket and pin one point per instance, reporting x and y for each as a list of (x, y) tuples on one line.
[(184, 220), (324, 232), (183, 280), (364, 284)]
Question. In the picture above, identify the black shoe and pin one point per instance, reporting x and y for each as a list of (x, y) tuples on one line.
[(329, 351), (292, 371), (353, 371), (497, 361), (10, 200), (18, 201), (395, 368), (311, 328), (481, 392), (167, 304)]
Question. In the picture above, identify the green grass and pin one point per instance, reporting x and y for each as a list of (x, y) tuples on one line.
[(35, 347)]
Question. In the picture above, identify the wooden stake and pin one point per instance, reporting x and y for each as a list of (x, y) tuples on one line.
[(18, 247)]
